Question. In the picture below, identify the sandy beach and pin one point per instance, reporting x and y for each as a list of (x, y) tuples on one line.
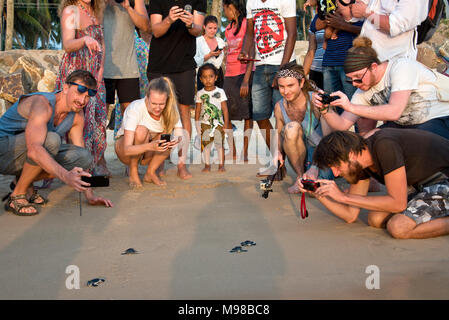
[(184, 232)]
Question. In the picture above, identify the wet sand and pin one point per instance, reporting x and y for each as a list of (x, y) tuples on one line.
[(184, 232)]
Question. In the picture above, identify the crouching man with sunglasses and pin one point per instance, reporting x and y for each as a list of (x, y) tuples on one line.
[(31, 147), (401, 92)]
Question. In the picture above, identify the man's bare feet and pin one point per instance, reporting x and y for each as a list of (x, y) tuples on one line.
[(293, 189), (183, 173), (154, 178), (221, 168), (206, 169)]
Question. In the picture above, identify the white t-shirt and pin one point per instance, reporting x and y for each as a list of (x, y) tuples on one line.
[(136, 114), (404, 16), (211, 105), (202, 49), (270, 33), (407, 74)]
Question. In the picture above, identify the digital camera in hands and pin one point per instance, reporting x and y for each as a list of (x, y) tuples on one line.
[(326, 98), (310, 185)]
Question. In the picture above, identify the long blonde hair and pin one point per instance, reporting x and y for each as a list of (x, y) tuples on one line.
[(96, 5), (170, 114)]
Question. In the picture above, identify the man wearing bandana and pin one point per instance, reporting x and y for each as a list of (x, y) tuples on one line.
[(298, 123)]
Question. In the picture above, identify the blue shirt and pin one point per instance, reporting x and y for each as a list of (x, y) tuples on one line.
[(335, 53)]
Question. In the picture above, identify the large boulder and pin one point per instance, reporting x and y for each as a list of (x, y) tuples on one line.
[(11, 87)]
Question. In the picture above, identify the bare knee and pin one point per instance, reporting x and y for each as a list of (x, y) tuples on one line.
[(141, 135), (293, 131), (400, 226)]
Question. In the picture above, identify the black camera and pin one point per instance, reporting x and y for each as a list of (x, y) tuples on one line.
[(326, 98), (310, 185), (266, 185)]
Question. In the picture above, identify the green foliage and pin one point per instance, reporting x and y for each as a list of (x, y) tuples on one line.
[(36, 24)]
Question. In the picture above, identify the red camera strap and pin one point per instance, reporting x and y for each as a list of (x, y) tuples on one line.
[(304, 212)]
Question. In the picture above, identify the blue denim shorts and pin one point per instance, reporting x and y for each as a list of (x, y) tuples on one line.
[(264, 96)]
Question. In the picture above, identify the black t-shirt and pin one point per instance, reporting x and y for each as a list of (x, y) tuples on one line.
[(173, 52), (421, 152)]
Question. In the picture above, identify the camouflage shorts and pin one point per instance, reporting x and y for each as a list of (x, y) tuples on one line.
[(431, 203)]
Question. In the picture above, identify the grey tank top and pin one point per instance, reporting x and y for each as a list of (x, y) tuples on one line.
[(12, 123), (311, 126), (120, 60)]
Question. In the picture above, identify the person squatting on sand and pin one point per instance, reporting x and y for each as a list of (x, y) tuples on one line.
[(31, 147), (298, 124), (139, 137), (406, 161), (402, 92)]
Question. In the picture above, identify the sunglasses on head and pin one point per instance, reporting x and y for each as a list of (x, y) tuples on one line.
[(359, 81), (82, 89)]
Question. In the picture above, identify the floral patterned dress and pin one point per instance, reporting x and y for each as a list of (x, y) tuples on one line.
[(95, 112)]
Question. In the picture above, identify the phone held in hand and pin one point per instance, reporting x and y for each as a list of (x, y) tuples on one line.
[(96, 181), (166, 137)]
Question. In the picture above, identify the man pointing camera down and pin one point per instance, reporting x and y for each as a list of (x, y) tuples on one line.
[(406, 161)]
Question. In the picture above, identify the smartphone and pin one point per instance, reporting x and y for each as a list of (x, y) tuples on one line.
[(166, 137), (96, 181), (218, 48), (188, 8)]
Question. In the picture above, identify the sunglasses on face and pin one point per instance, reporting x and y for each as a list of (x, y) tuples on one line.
[(359, 81), (82, 89)]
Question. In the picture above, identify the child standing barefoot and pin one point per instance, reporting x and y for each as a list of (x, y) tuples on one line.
[(211, 115)]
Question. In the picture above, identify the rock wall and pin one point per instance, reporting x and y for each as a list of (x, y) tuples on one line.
[(26, 71)]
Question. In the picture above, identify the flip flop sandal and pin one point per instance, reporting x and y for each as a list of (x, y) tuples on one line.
[(19, 206)]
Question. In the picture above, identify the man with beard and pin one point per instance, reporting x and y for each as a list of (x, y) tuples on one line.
[(406, 161), (31, 147)]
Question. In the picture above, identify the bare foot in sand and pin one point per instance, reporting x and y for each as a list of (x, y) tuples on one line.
[(135, 185), (153, 177), (206, 169), (293, 189), (183, 173), (221, 169)]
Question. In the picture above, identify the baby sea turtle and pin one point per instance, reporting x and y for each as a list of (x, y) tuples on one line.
[(247, 243), (95, 282), (238, 250), (130, 251)]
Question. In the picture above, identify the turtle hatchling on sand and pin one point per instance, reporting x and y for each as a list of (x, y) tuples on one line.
[(130, 251), (95, 282), (238, 250), (247, 243)]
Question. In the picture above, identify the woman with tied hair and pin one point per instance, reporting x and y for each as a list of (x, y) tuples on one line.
[(298, 123), (139, 137), (401, 92), (82, 40)]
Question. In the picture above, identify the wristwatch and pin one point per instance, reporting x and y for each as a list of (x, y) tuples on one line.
[(191, 26)]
